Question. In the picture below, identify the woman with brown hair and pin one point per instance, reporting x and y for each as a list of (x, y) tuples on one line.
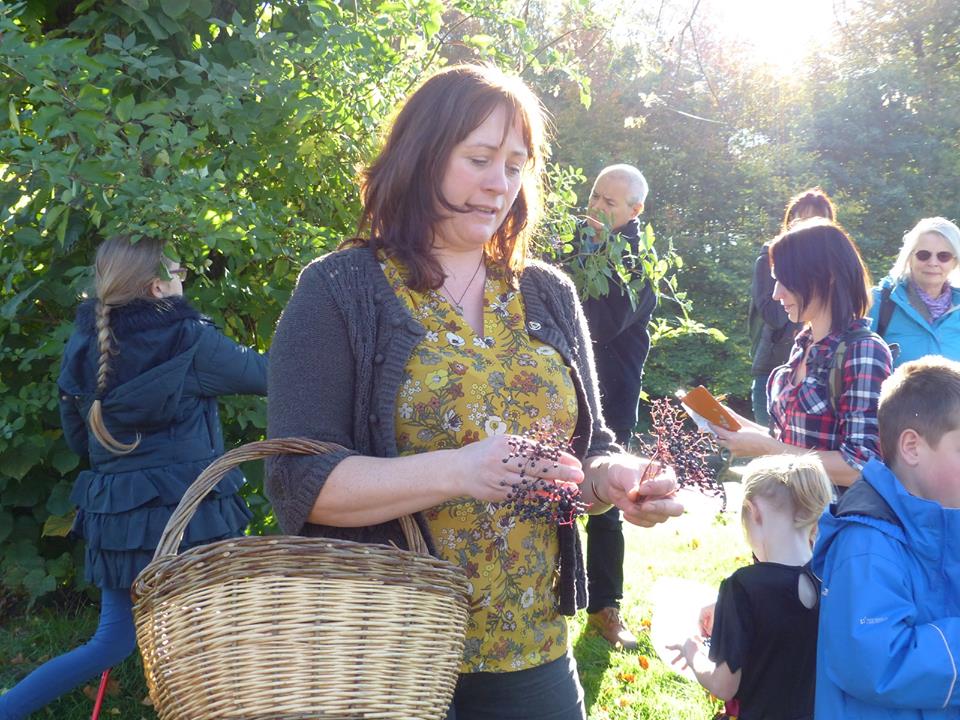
[(425, 350), (138, 397), (825, 397)]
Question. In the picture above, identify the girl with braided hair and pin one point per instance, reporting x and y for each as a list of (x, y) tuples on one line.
[(138, 397)]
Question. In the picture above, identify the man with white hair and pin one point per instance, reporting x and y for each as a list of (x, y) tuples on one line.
[(620, 345)]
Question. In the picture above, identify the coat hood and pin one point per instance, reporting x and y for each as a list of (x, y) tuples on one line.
[(153, 351), (880, 501)]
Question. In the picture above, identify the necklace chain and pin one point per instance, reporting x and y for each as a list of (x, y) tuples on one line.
[(457, 303)]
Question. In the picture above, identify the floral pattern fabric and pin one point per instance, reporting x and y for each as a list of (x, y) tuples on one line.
[(459, 387)]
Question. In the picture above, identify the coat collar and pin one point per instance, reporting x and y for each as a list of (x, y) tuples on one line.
[(138, 315)]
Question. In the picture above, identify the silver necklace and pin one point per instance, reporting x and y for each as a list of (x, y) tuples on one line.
[(457, 302)]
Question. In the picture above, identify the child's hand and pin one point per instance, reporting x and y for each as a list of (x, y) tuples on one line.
[(685, 652), (706, 619)]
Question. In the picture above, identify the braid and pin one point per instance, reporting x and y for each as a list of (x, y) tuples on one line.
[(124, 272), (103, 344), (95, 416)]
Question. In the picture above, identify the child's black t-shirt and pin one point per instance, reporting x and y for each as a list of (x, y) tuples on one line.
[(761, 626)]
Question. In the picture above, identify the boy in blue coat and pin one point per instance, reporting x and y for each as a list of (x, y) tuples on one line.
[(889, 556)]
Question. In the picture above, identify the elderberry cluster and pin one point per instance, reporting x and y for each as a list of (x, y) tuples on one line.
[(684, 449), (534, 498)]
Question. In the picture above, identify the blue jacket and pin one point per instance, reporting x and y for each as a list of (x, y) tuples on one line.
[(168, 367), (910, 329), (889, 639)]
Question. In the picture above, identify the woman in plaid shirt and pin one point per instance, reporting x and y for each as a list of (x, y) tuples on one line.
[(822, 283)]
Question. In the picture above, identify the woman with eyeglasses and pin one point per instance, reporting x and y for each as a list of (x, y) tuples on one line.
[(138, 385), (917, 305)]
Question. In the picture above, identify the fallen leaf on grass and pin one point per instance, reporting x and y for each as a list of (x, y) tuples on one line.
[(17, 659), (113, 689), (644, 662), (148, 701), (626, 677)]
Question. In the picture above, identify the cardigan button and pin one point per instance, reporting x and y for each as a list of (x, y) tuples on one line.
[(374, 418), (396, 321), (414, 327), (378, 359)]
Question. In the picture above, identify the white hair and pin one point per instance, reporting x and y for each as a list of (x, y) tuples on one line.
[(638, 183), (939, 225)]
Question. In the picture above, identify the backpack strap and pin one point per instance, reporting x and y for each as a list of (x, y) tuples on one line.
[(886, 310), (883, 319), (839, 360)]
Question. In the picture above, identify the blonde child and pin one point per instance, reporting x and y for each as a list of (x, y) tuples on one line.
[(139, 383), (763, 628), (889, 556)]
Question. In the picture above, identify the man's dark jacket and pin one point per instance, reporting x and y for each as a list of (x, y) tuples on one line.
[(621, 341)]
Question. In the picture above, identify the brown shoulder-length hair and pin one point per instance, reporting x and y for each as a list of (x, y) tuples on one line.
[(816, 259), (401, 190), (809, 203)]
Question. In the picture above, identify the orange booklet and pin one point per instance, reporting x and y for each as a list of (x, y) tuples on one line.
[(703, 407)]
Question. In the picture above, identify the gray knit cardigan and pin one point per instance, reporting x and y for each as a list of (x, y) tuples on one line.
[(336, 364)]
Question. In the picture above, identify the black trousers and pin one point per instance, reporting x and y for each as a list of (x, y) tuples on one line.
[(605, 552)]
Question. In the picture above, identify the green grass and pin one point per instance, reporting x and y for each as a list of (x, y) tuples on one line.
[(617, 685)]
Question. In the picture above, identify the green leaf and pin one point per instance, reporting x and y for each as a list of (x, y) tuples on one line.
[(52, 215), (37, 583), (141, 5), (61, 567), (62, 227), (9, 310), (124, 108), (174, 8), (14, 119), (201, 8), (59, 525), (17, 464), (64, 460), (6, 525), (158, 32), (27, 236)]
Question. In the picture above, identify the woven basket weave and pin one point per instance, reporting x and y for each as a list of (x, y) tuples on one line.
[(291, 628)]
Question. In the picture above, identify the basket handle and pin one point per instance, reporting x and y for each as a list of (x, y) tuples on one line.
[(207, 480)]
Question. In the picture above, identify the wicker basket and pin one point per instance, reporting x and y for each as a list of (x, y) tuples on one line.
[(286, 627)]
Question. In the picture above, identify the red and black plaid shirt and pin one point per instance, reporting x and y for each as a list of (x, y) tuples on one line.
[(803, 415)]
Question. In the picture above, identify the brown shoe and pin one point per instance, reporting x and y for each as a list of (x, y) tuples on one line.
[(607, 622)]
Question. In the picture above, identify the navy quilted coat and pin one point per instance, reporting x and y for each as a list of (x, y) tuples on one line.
[(169, 366)]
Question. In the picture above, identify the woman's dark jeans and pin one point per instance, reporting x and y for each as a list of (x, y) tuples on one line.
[(547, 692)]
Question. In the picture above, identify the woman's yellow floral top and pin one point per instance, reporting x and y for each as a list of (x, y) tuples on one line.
[(457, 388)]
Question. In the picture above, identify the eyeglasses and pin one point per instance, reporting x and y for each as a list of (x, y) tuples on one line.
[(180, 272), (943, 256)]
